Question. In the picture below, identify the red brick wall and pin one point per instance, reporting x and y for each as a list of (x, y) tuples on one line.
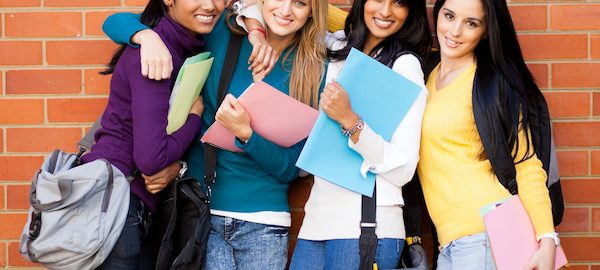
[(51, 51)]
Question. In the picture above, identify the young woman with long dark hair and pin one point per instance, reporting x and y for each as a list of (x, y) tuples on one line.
[(395, 33), (482, 77), (133, 134)]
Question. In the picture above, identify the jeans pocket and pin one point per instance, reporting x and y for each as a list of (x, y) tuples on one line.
[(277, 231)]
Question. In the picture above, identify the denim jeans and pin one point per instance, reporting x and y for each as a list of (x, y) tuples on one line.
[(133, 249), (469, 253), (343, 254), (238, 244)]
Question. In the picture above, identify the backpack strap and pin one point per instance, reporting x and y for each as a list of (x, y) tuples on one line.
[(210, 152), (367, 243)]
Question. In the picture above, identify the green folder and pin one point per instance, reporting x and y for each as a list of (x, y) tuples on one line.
[(189, 83)]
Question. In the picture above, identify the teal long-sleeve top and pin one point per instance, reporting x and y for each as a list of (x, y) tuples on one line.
[(253, 181)]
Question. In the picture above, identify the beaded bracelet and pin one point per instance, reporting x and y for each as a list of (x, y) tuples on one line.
[(359, 125)]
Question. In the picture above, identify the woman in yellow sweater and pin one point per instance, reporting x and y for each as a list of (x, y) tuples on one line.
[(481, 66)]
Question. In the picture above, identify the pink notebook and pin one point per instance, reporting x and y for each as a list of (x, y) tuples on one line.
[(274, 115), (512, 236)]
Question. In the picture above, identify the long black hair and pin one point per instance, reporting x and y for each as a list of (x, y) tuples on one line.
[(503, 78), (414, 36), (155, 10)]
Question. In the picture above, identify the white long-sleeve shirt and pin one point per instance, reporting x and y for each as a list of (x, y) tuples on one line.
[(333, 212)]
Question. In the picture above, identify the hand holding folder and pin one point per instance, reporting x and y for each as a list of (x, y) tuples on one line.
[(189, 83), (512, 236), (274, 115), (382, 98)]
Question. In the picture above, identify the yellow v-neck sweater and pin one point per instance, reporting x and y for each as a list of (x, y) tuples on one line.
[(456, 180)]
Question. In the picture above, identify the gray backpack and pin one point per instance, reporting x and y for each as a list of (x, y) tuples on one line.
[(77, 213)]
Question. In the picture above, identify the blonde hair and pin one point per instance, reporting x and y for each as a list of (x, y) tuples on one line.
[(308, 66)]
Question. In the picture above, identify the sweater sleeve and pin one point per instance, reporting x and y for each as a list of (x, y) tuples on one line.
[(336, 18), (531, 182), (396, 160), (153, 149), (274, 159), (120, 27)]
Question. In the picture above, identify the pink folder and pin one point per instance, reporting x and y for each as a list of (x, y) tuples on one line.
[(512, 236), (274, 115)]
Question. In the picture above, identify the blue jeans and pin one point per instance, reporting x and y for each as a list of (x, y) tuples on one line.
[(343, 254), (469, 253), (133, 249), (238, 244)]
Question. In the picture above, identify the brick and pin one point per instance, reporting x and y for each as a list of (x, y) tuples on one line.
[(581, 190), (562, 17), (299, 191), (1, 203), (12, 225), (41, 139), (595, 267), (79, 52), (17, 197), (94, 21), (43, 81), (537, 47), (21, 167), (540, 74), (568, 104), (577, 267), (20, 3), (572, 163), (81, 3), (2, 254), (584, 248), (21, 111), (43, 24), (595, 45), (138, 3), (577, 134), (529, 17), (596, 162), (20, 53), (338, 2), (1, 141), (16, 259), (596, 219), (576, 75), (75, 109), (575, 220), (596, 104), (95, 83)]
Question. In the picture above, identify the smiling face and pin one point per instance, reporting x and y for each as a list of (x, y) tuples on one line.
[(384, 18), (285, 17), (461, 26), (197, 16)]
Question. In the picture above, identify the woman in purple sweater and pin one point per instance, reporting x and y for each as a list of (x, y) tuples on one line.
[(133, 136)]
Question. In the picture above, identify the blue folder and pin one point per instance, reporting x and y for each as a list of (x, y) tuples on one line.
[(382, 98)]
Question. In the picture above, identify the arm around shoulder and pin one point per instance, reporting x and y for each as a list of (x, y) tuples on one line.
[(120, 27)]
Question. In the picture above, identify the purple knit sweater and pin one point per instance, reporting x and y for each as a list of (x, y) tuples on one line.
[(133, 133)]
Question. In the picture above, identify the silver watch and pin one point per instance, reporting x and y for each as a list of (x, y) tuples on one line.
[(554, 237)]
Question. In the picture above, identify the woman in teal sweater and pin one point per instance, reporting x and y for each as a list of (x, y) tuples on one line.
[(250, 213)]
